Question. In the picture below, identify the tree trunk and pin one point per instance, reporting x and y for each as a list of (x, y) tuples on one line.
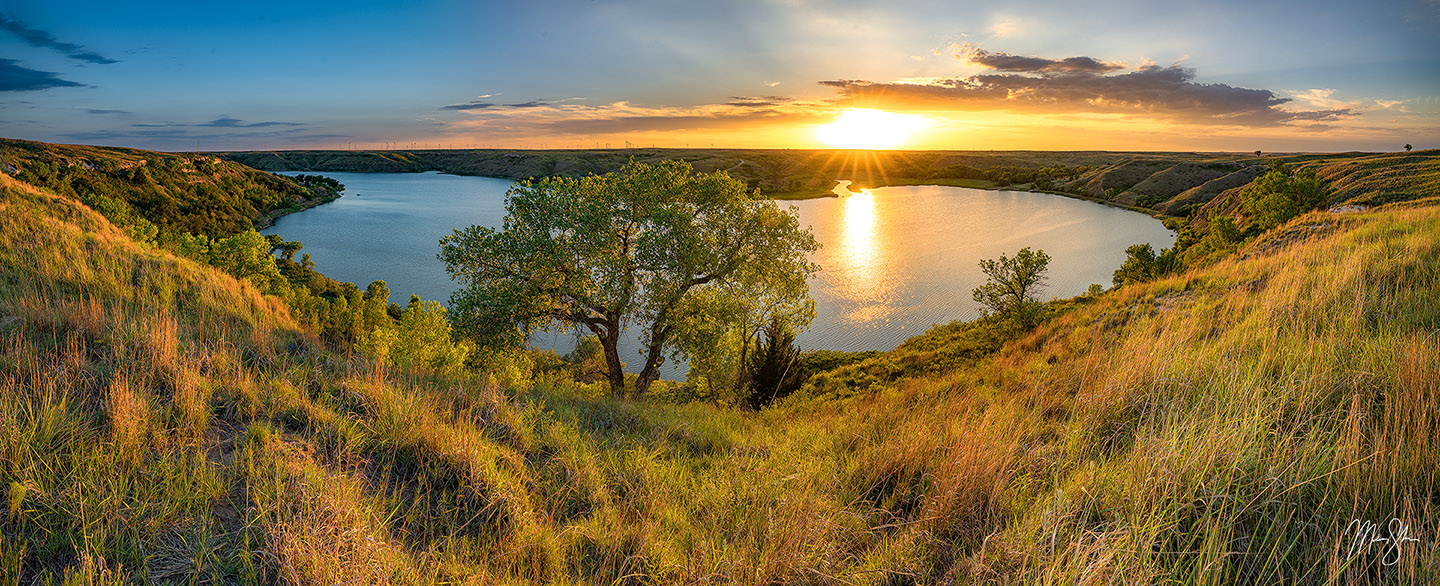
[(651, 372), (615, 370)]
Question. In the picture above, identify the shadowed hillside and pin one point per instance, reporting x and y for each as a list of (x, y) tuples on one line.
[(161, 421)]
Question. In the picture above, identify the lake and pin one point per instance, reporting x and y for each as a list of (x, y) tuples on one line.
[(894, 260)]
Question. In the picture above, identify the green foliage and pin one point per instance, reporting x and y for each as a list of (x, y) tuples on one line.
[(634, 246), (1279, 195), (775, 367), (420, 341), (1014, 285), (146, 192), (1141, 265), (247, 256)]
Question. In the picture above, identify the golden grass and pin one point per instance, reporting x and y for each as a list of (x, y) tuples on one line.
[(162, 421)]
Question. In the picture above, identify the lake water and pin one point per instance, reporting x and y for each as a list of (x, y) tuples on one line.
[(894, 260)]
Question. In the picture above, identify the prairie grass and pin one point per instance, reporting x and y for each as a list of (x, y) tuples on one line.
[(161, 422)]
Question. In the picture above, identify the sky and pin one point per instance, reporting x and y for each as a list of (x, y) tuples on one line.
[(1218, 75)]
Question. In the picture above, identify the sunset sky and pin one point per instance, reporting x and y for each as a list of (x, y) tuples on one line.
[(1100, 75)]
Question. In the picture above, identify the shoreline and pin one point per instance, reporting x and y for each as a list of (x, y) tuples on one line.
[(268, 219), (794, 196)]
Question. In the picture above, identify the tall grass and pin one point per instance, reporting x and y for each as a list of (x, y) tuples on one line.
[(161, 422)]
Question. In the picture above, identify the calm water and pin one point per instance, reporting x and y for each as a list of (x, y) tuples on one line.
[(895, 260)]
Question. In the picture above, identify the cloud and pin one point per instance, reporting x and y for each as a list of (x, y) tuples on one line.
[(551, 118), (1005, 26), (104, 112), (178, 137), (1085, 85), (228, 122), (757, 101), (1007, 62), (477, 105), (44, 40), (17, 78), (221, 122)]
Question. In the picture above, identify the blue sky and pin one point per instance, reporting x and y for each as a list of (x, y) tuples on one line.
[(1219, 75)]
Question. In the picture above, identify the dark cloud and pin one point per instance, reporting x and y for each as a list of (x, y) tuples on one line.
[(228, 122), (1162, 92), (469, 106), (17, 78), (104, 112), (1006, 62), (529, 104), (42, 39)]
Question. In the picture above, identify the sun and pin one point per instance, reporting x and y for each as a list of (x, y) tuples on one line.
[(863, 128)]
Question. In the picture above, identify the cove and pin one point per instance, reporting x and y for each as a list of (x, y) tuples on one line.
[(894, 260)]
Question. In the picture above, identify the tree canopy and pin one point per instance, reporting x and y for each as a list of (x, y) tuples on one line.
[(1280, 195), (636, 246)]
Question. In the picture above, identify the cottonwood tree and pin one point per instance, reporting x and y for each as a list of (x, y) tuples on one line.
[(629, 247), (1014, 285)]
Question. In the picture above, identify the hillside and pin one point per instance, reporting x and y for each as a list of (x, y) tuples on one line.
[(1163, 182), (198, 194), (163, 421)]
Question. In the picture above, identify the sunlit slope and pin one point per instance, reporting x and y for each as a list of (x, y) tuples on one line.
[(200, 193), (160, 421), (1222, 426)]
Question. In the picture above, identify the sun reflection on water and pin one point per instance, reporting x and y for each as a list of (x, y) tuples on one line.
[(860, 256)]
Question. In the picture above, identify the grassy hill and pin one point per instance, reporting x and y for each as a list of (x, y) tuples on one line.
[(198, 194), (161, 421)]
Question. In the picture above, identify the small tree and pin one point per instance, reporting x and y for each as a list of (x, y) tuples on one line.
[(775, 369), (1014, 285), (1408, 147), (1142, 264)]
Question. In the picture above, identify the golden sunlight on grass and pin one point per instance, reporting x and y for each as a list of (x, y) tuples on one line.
[(862, 128)]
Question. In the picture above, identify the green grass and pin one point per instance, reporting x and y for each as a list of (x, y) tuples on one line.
[(161, 422)]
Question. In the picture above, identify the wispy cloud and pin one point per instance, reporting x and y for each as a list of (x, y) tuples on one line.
[(477, 104), (45, 40), (469, 106), (228, 122), (758, 101), (18, 78), (99, 112), (624, 117)]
